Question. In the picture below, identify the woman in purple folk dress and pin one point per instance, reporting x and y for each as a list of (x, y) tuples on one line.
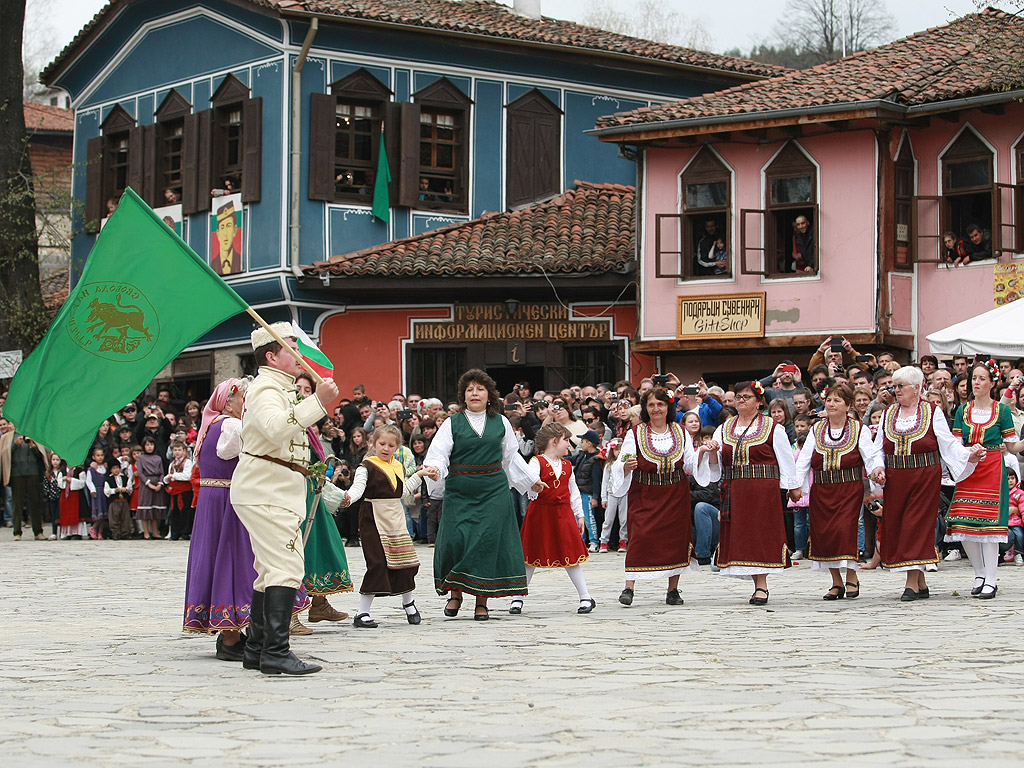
[(218, 583)]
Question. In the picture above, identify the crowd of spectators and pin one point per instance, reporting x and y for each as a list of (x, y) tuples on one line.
[(597, 416)]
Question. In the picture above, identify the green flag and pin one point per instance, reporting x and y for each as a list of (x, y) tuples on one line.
[(381, 201), (143, 297)]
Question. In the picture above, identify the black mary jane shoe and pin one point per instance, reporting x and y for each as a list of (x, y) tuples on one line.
[(590, 605), (477, 616), (977, 589), (453, 611), (673, 598), (414, 617), (908, 596), (853, 589), (516, 607), (832, 594), (626, 598), (923, 593), (755, 600), (986, 594), (363, 621)]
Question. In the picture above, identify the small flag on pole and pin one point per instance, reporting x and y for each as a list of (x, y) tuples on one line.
[(312, 354), (143, 297), (381, 200)]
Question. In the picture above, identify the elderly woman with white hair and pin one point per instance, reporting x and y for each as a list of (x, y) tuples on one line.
[(914, 438)]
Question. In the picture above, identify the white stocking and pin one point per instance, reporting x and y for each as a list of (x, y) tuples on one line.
[(530, 570), (365, 601), (990, 553), (407, 603), (576, 574), (974, 554)]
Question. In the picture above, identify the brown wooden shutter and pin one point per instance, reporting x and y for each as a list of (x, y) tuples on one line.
[(548, 161), (94, 203), (136, 167), (151, 178), (322, 117), (204, 160), (189, 155), (519, 164), (393, 145), (751, 243), (409, 161), (252, 158)]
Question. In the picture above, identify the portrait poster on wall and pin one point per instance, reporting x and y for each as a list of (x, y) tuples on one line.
[(227, 256), (171, 216)]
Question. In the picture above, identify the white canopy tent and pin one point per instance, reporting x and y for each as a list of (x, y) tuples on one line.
[(998, 332)]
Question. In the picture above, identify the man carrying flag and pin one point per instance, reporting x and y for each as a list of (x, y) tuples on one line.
[(268, 492)]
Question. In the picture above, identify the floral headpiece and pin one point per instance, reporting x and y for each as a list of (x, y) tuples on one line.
[(758, 387), (824, 391), (992, 367)]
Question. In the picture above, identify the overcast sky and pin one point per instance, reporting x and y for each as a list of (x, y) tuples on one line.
[(731, 23)]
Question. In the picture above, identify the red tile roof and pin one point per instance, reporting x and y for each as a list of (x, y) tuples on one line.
[(589, 229), (54, 288), (42, 117), (977, 54), (483, 18)]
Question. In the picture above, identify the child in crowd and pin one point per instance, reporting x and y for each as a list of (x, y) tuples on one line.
[(133, 473), (391, 562), (118, 489), (179, 488), (55, 467), (75, 506), (94, 479), (720, 256), (586, 471), (799, 508), (1015, 553), (614, 506), (553, 529), (152, 498)]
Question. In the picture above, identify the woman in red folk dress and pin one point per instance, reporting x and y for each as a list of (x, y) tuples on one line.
[(553, 528), (752, 456), (657, 454), (838, 451), (914, 437)]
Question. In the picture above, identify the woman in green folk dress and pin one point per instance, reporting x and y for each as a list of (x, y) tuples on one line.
[(479, 549)]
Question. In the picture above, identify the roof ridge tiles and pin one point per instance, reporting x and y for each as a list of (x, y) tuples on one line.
[(482, 18)]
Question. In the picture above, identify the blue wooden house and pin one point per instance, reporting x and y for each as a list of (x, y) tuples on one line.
[(260, 128)]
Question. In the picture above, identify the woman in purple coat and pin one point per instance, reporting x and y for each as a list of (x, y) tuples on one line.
[(218, 584)]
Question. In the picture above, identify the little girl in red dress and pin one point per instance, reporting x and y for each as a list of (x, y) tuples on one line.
[(552, 531)]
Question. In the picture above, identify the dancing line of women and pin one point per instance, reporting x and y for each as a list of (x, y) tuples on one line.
[(480, 550)]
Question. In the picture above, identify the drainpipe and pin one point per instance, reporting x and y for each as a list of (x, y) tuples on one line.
[(296, 156)]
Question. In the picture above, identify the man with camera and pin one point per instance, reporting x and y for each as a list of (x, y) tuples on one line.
[(694, 398), (833, 349), (782, 382)]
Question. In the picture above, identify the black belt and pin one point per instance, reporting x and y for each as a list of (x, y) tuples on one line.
[(751, 472), (661, 478), (832, 476), (912, 460)]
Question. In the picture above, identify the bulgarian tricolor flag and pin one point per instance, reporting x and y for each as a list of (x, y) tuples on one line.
[(312, 354)]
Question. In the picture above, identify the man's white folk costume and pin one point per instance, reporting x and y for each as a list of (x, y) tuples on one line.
[(268, 492)]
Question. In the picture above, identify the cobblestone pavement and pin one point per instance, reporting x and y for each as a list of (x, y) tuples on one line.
[(97, 672)]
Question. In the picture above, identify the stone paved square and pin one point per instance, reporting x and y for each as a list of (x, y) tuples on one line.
[(99, 673)]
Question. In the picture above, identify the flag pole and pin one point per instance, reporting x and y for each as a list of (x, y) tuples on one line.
[(305, 366)]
